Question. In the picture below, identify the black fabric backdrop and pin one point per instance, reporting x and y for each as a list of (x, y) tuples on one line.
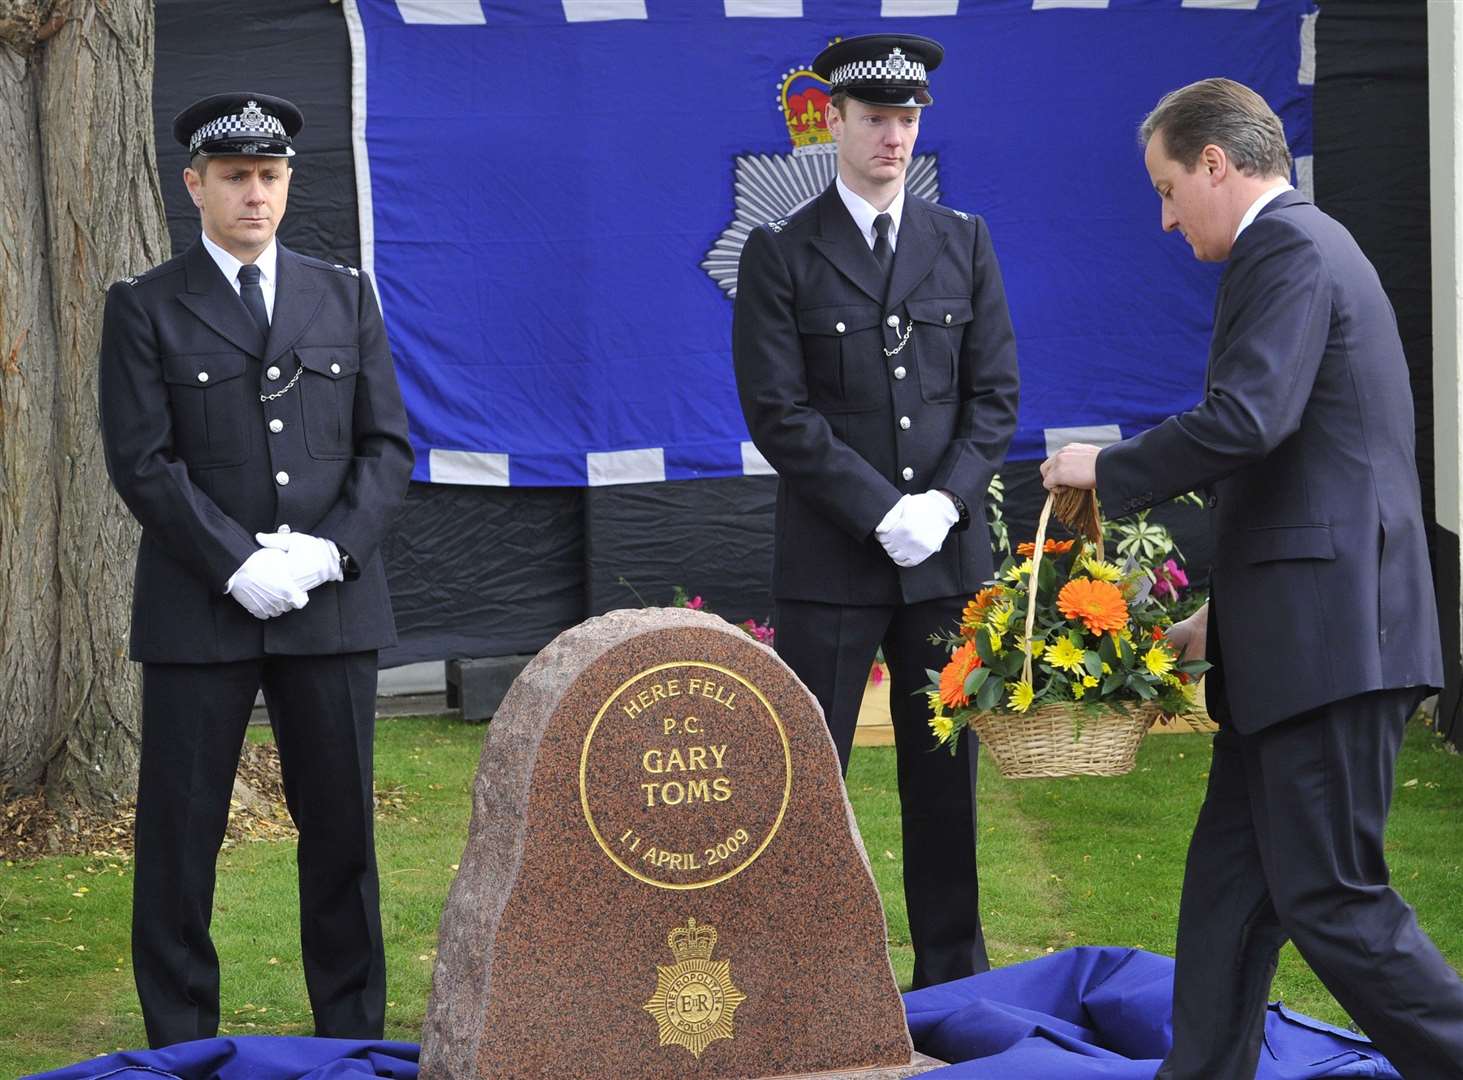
[(492, 571)]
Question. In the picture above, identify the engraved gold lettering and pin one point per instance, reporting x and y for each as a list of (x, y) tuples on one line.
[(672, 793), (645, 698), (698, 791), (692, 726), (692, 685), (657, 692), (696, 757), (673, 688), (721, 789), (668, 725), (651, 762), (632, 710), (649, 790), (719, 753)]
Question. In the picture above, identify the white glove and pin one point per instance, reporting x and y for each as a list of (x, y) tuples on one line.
[(312, 560), (264, 585), (916, 527)]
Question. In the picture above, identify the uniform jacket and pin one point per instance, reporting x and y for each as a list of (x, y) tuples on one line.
[(190, 449), (828, 408), (1321, 584)]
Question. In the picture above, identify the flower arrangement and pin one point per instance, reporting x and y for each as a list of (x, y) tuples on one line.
[(762, 631), (1097, 645)]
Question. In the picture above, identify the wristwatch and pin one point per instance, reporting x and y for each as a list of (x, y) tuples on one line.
[(963, 521)]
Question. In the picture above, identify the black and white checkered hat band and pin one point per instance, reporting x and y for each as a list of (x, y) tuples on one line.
[(903, 70), (245, 125)]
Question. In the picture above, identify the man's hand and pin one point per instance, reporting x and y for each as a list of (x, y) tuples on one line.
[(916, 527), (1073, 466), (312, 560), (264, 585), (1189, 637)]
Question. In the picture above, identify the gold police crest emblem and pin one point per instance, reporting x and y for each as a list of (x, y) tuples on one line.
[(694, 1000)]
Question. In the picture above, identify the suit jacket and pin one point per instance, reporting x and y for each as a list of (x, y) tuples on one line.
[(850, 429), (1321, 585), (190, 449)]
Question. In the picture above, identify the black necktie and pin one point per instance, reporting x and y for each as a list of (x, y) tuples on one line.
[(253, 297), (883, 252)]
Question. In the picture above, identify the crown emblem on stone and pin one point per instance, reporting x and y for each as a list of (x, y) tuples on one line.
[(803, 98), (896, 62), (693, 941), (253, 115)]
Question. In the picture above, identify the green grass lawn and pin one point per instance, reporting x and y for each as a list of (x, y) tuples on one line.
[(1063, 862)]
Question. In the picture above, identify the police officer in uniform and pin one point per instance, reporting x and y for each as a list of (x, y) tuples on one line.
[(877, 371), (253, 425)]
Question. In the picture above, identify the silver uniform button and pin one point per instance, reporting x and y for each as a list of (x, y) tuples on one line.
[(899, 372), (272, 372), (839, 327), (908, 473), (893, 320), (947, 318), (276, 426), (282, 478), (904, 422), (203, 376), (283, 529), (335, 368)]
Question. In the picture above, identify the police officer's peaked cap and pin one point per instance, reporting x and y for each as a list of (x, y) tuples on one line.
[(881, 69), (251, 125)]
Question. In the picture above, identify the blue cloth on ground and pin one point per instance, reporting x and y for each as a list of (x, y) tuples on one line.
[(1081, 1014), (1100, 1014)]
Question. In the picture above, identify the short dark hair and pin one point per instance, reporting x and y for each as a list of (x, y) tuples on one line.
[(198, 163), (840, 102), (1226, 114)]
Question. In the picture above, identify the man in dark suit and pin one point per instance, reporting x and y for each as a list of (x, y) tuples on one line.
[(253, 425), (877, 370), (1321, 624)]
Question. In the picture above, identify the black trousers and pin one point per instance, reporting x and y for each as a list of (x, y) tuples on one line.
[(1289, 845), (322, 709), (831, 647)]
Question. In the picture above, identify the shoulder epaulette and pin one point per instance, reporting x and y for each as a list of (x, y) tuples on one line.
[(961, 214), (778, 225)]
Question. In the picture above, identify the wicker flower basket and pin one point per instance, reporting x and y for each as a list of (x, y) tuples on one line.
[(1056, 740), (1063, 740)]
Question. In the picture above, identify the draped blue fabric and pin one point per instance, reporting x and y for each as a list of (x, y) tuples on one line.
[(1081, 1014), (555, 195)]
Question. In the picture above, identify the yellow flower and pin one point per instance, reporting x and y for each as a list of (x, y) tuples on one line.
[(1022, 694), (1106, 668), (1013, 575), (936, 705), (1100, 570), (943, 726), (1158, 660), (1038, 647), (999, 620), (1089, 680), (1066, 654), (1078, 690)]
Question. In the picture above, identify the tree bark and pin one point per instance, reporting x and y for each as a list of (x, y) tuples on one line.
[(90, 78)]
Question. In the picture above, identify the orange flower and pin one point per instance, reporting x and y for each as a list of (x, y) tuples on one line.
[(1099, 604), (1051, 547), (977, 607), (963, 661)]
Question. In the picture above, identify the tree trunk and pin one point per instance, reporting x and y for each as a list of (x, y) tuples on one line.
[(91, 84)]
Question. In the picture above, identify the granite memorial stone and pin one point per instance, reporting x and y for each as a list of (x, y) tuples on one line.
[(662, 875)]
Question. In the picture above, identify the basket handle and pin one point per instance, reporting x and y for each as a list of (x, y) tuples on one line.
[(1078, 509)]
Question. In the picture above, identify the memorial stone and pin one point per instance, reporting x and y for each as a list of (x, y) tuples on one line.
[(662, 875)]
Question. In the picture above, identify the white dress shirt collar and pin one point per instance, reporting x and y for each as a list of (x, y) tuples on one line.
[(1260, 204), (864, 212)]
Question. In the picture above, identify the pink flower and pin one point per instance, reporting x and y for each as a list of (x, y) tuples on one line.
[(876, 675), (1168, 579), (696, 603)]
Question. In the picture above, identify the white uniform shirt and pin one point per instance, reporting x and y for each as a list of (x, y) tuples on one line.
[(267, 261), (864, 213)]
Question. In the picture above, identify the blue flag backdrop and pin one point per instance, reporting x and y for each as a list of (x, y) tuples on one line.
[(553, 194)]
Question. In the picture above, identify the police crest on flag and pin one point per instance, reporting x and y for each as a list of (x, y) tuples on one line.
[(769, 188)]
